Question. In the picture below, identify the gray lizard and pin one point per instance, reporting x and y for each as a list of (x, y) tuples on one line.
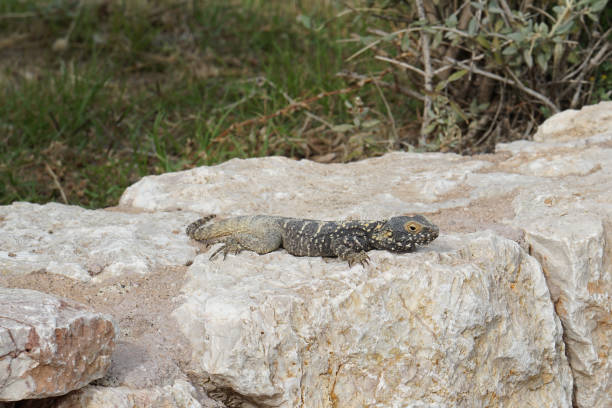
[(348, 240)]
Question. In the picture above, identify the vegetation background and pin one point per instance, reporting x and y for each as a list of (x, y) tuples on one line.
[(95, 94)]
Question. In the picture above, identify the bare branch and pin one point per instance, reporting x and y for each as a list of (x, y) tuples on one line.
[(401, 64), (513, 82), (364, 78), (428, 78), (57, 183)]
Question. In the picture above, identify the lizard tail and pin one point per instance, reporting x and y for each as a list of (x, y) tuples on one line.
[(193, 227)]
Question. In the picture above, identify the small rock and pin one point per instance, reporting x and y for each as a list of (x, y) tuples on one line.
[(49, 346), (576, 124)]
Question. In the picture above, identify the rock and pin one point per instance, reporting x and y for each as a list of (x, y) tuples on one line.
[(181, 394), (412, 182), (82, 244), (528, 187), (267, 328), (567, 222), (576, 124), (49, 346), (465, 322)]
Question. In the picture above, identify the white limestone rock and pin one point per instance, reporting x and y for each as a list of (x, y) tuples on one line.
[(82, 244), (567, 223), (569, 233), (412, 183), (554, 197), (531, 187), (49, 346), (180, 394), (576, 124), (467, 322)]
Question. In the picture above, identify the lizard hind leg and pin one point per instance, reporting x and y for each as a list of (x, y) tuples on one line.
[(230, 245), (259, 243)]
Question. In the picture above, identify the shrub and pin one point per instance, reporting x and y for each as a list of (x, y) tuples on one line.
[(488, 71)]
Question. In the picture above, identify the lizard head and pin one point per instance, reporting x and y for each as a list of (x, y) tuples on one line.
[(404, 233)]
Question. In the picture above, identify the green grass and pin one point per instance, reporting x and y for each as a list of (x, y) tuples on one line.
[(97, 96)]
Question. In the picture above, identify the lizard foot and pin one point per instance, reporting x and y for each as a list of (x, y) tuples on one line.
[(229, 246), (360, 257)]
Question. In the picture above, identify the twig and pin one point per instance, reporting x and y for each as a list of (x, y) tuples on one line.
[(7, 16), (56, 182), (284, 111), (385, 36), (494, 121), (511, 82), (10, 41), (292, 101), (592, 63), (428, 75), (311, 115), (401, 89), (507, 14), (401, 64), (529, 91), (391, 118), (235, 104), (588, 58)]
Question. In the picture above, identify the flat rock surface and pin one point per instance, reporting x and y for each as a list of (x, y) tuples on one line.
[(50, 346), (85, 244)]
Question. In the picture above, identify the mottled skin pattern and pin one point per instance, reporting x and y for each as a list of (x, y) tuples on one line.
[(348, 240)]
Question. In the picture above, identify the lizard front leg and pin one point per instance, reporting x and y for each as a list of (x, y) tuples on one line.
[(351, 249)]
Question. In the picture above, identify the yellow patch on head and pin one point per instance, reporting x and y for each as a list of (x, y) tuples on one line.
[(412, 226)]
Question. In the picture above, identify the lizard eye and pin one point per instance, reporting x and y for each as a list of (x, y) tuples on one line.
[(412, 226)]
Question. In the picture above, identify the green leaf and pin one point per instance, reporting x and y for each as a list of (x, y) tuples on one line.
[(429, 128), (370, 123), (484, 43), (367, 39), (528, 58), (542, 61), (342, 128), (509, 50), (565, 27), (406, 42), (558, 52), (598, 5), (304, 20), (472, 26), (451, 21), (559, 10), (477, 5), (437, 40), (499, 24), (517, 36), (457, 109), (455, 76), (593, 17)]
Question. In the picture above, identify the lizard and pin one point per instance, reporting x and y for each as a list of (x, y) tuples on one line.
[(348, 240)]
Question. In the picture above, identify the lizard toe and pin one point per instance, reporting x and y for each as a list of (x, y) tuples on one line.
[(359, 257)]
